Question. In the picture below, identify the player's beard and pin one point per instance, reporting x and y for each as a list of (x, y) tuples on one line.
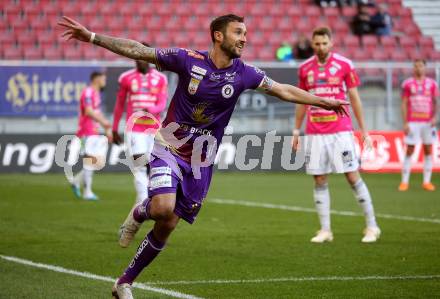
[(322, 56), (229, 49)]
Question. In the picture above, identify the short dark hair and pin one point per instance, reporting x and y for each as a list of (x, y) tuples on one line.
[(95, 74), (146, 44), (420, 60), (220, 23), (322, 31)]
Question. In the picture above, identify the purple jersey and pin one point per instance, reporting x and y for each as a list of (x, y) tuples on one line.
[(205, 96)]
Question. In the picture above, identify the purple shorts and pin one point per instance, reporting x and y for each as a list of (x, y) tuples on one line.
[(170, 174)]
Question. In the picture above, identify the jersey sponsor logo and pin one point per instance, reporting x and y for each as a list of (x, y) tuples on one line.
[(323, 119), (227, 91), (257, 70), (325, 90), (168, 51), (334, 80), (333, 70), (310, 77), (198, 70), (134, 85), (353, 77), (198, 77), (194, 54), (162, 181), (193, 130), (420, 115), (215, 77), (193, 86), (160, 170), (230, 77)]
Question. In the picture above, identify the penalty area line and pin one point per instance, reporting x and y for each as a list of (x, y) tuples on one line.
[(254, 204), (92, 276), (296, 279)]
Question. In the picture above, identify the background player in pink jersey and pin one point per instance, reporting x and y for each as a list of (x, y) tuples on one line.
[(141, 89), (419, 94), (329, 141), (94, 145)]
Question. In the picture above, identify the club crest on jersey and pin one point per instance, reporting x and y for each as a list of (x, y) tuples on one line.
[(193, 86), (198, 70), (134, 86), (227, 91), (333, 70)]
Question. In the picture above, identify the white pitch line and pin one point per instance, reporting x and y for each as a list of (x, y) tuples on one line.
[(310, 210), (296, 279), (96, 277)]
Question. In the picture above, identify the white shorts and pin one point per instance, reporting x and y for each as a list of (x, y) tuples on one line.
[(420, 132), (138, 143), (330, 153), (95, 145)]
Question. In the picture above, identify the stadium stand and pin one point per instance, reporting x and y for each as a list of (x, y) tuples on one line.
[(28, 28)]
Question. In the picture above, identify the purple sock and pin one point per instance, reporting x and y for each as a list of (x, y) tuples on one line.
[(146, 253), (142, 211)]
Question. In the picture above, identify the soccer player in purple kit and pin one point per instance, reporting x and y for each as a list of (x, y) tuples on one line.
[(208, 89)]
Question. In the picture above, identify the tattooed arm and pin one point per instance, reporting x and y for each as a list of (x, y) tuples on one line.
[(125, 47), (290, 93)]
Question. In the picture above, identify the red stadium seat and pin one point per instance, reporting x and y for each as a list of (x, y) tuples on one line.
[(398, 56), (12, 52), (52, 53), (426, 42), (352, 41), (379, 55), (6, 38), (388, 41), (341, 27), (348, 12), (361, 55), (369, 42), (72, 53), (33, 53)]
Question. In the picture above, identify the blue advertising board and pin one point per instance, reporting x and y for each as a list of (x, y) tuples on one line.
[(42, 90)]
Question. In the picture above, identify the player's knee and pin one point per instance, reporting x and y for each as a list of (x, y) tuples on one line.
[(162, 209), (320, 180), (409, 150)]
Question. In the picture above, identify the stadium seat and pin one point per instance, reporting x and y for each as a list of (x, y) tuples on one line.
[(398, 56), (369, 42), (352, 41), (32, 53), (379, 55), (51, 53), (72, 53), (12, 52), (348, 12), (425, 42)]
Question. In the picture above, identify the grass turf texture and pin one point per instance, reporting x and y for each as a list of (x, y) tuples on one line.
[(43, 222)]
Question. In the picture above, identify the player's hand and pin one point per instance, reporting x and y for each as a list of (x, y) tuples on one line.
[(367, 142), (335, 105), (109, 135), (406, 128), (116, 138), (74, 30), (295, 142)]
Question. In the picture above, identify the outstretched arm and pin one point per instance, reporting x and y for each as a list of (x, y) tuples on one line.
[(124, 47), (294, 94)]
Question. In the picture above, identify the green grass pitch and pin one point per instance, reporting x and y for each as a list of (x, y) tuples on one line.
[(41, 221)]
